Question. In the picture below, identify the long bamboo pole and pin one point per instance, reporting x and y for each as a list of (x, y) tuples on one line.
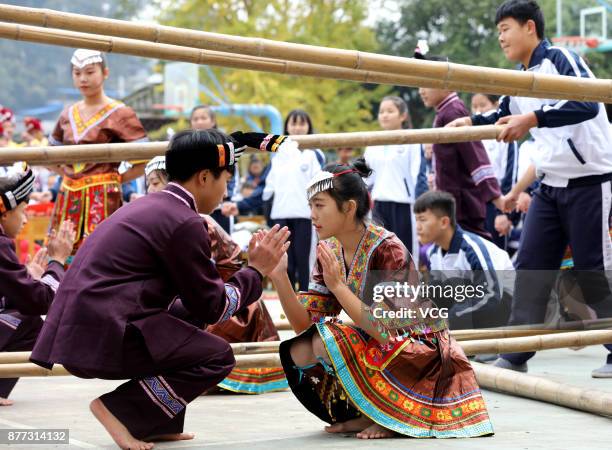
[(253, 348), (528, 386), (30, 370), (258, 361), (536, 343), (14, 357), (533, 84), (15, 370), (461, 335), (242, 348), (139, 151), (198, 56), (265, 354)]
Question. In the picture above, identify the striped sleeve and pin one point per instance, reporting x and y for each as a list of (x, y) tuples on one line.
[(490, 117), (482, 271), (566, 112)]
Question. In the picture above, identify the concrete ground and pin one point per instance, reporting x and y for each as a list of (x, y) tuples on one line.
[(278, 421)]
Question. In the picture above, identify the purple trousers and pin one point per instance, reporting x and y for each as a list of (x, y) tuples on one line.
[(153, 401)]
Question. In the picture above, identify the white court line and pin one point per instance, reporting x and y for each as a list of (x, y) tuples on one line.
[(10, 423)]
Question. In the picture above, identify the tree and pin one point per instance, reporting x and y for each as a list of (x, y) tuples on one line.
[(465, 32), (31, 74), (334, 105)]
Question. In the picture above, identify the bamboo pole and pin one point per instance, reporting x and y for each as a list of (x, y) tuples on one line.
[(197, 56), (536, 343), (16, 370), (242, 348), (14, 357), (265, 354), (253, 348), (533, 84), (460, 335), (516, 383), (466, 335), (258, 361), (30, 370), (488, 377), (141, 151), (231, 60)]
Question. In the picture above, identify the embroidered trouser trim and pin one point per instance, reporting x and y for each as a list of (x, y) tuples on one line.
[(151, 404)]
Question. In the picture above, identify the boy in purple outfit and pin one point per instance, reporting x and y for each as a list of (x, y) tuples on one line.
[(463, 168), (110, 319), (26, 292)]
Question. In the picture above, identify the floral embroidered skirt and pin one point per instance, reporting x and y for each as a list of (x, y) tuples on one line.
[(253, 324), (86, 202), (422, 387)]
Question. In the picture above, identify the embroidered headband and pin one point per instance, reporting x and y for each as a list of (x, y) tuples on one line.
[(228, 154), (157, 163), (18, 192), (32, 123), (84, 57), (6, 115), (324, 181)]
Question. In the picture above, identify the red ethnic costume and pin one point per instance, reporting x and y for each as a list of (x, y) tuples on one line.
[(419, 384), (92, 192)]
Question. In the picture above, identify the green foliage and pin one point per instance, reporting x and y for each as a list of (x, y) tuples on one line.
[(333, 105), (31, 74), (465, 32)]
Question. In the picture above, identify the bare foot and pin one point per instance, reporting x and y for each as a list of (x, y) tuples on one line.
[(116, 429), (375, 431), (5, 402), (350, 426), (171, 437)]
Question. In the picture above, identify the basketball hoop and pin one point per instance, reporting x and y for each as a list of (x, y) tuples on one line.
[(578, 44)]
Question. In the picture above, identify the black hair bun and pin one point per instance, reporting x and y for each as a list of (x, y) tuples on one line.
[(362, 167)]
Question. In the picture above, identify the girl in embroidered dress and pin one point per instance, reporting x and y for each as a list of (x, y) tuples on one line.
[(382, 376), (91, 192)]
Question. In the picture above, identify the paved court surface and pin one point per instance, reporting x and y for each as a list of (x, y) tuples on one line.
[(277, 420)]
